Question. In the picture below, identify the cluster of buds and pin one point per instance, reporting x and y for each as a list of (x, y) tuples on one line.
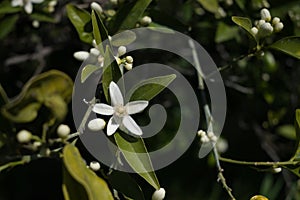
[(125, 61), (207, 137), (266, 25)]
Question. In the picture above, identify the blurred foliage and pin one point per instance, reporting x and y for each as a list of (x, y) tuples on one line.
[(262, 92)]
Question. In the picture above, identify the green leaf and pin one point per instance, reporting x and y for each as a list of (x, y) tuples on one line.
[(160, 28), (287, 131), (297, 127), (245, 23), (210, 5), (87, 71), (148, 89), (136, 155), (123, 39), (225, 32), (6, 8), (96, 31), (125, 184), (79, 182), (50, 88), (111, 72), (7, 24), (240, 3), (128, 15), (80, 19), (288, 45), (42, 17)]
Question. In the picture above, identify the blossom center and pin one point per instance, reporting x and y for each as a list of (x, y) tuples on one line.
[(120, 111)]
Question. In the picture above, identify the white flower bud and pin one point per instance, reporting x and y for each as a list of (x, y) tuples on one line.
[(24, 136), (128, 66), (222, 145), (159, 194), (265, 15), (81, 55), (95, 51), (260, 22), (96, 124), (277, 169), (114, 2), (201, 133), (275, 20), (265, 29), (63, 131), (212, 136), (204, 139), (52, 3), (37, 144), (95, 6), (95, 166), (129, 59), (121, 51), (35, 23), (254, 30), (145, 21), (109, 38), (278, 27), (94, 43)]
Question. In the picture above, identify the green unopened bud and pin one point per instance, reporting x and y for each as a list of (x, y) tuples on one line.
[(24, 136), (278, 27), (265, 15)]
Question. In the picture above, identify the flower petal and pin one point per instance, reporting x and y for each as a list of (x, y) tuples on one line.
[(28, 7), (103, 109), (115, 94), (131, 125), (112, 126), (136, 106)]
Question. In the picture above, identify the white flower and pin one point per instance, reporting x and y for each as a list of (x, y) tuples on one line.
[(265, 15), (95, 166), (120, 113), (24, 136), (63, 131), (96, 124), (159, 194), (26, 3)]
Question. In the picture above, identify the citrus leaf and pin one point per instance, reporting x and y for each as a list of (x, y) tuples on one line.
[(81, 183), (210, 5), (7, 24), (225, 32), (287, 131), (137, 156), (80, 20), (297, 127), (128, 15), (288, 45), (87, 71), (125, 184), (148, 89), (111, 71), (6, 8), (245, 23), (42, 89), (124, 38)]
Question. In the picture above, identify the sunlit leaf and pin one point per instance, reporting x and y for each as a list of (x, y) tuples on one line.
[(87, 71), (124, 38), (288, 45), (245, 23), (128, 15), (210, 5), (287, 131), (259, 197), (148, 89), (111, 72), (136, 155), (80, 19), (79, 182), (297, 127), (52, 89)]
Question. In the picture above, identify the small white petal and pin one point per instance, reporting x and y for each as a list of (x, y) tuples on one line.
[(115, 94), (159, 194), (15, 3), (81, 55), (131, 125), (28, 7), (103, 109), (96, 124), (136, 106), (112, 126)]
